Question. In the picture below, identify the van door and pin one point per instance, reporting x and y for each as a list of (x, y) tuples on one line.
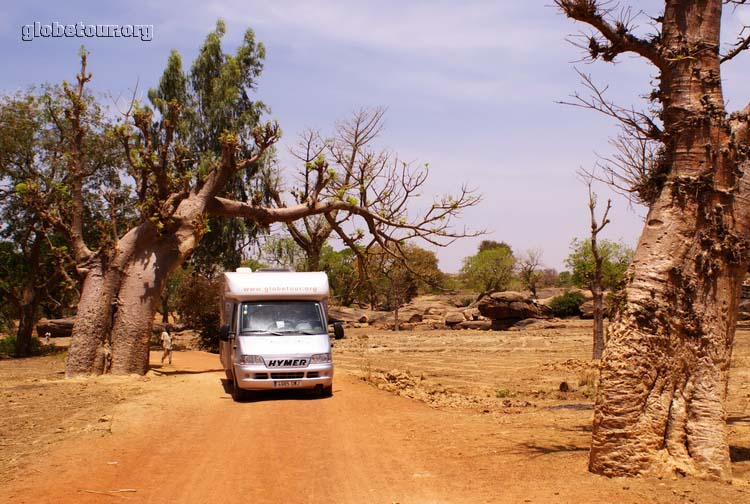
[(225, 347)]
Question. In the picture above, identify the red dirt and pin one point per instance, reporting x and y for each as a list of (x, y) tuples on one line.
[(177, 437)]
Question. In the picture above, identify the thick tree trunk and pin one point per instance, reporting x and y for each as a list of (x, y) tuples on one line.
[(26, 328), (142, 285), (90, 350), (664, 373)]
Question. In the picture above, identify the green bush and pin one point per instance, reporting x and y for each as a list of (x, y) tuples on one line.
[(503, 393), (8, 346), (567, 304), (198, 305)]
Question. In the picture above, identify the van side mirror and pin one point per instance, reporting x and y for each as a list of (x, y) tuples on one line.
[(338, 330), (224, 332)]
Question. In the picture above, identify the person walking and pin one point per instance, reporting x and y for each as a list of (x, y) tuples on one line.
[(166, 345)]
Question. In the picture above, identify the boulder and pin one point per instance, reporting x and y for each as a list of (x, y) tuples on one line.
[(455, 317), (744, 310), (587, 310), (480, 325), (507, 308), (346, 314), (508, 305), (471, 313)]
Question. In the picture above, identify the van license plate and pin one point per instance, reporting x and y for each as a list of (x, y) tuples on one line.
[(286, 383)]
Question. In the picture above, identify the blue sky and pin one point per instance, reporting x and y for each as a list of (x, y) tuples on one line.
[(470, 87)]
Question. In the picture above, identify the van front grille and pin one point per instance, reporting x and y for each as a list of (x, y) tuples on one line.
[(287, 376), (313, 374)]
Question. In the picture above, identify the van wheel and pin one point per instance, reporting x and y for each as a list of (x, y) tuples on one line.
[(238, 394), (326, 391), (338, 331)]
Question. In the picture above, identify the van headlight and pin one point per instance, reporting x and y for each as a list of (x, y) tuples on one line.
[(251, 359), (320, 358)]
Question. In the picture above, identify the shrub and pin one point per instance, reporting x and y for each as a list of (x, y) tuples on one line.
[(567, 304), (8, 346), (503, 393), (198, 305)]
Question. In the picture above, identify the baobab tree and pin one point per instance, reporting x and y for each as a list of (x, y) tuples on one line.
[(660, 405)]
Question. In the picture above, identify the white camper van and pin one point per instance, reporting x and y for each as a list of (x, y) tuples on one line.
[(274, 331)]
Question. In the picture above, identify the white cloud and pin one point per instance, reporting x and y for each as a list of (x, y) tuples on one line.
[(423, 27)]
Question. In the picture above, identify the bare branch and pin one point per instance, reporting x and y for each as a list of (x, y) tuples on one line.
[(636, 123), (616, 34)]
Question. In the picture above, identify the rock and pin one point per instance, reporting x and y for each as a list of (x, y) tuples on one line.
[(471, 313), (507, 308), (415, 318), (530, 323), (452, 318), (346, 314), (587, 310), (480, 325), (428, 326)]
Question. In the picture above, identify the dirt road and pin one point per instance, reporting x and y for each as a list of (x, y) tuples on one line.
[(358, 446), (185, 441)]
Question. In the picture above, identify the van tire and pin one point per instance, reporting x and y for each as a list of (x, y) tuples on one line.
[(239, 394), (326, 391), (338, 331)]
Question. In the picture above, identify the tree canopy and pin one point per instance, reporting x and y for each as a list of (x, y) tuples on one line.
[(616, 257)]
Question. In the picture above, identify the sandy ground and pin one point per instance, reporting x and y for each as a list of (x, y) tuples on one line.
[(416, 417)]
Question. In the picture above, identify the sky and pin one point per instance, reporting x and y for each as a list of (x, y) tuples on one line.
[(472, 88)]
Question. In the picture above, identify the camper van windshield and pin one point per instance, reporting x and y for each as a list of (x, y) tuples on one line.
[(281, 318)]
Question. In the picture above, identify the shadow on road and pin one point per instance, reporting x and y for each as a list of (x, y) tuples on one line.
[(166, 371), (253, 396), (539, 450), (739, 454)]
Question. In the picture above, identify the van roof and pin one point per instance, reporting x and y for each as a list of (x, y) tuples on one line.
[(253, 286)]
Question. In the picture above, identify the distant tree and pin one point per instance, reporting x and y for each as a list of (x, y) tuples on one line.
[(343, 273), (564, 279), (393, 282), (595, 280), (529, 272), (549, 277), (616, 257), (492, 244), (281, 251), (489, 270)]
